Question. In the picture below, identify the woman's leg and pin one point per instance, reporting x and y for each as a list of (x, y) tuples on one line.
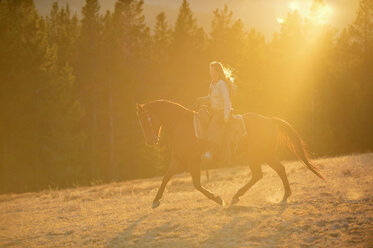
[(215, 135)]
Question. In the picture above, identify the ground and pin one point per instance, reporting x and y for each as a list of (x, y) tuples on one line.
[(336, 213)]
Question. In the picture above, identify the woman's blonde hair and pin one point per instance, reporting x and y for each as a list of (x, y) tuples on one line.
[(224, 73)]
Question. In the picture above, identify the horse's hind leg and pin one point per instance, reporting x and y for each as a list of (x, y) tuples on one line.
[(196, 176), (170, 172), (280, 170), (257, 174)]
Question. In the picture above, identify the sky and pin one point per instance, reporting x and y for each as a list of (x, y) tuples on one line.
[(263, 15)]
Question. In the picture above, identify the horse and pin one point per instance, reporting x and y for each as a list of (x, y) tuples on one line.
[(260, 144)]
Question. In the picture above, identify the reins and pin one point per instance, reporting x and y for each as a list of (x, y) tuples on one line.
[(149, 119)]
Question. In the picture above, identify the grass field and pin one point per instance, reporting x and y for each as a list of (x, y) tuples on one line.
[(336, 213)]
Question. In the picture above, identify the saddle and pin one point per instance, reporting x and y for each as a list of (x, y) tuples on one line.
[(235, 131)]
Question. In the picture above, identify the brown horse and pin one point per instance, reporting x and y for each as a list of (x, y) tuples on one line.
[(264, 135)]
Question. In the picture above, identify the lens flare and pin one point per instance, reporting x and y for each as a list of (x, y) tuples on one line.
[(280, 20)]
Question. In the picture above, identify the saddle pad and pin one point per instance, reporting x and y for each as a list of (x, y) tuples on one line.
[(236, 124)]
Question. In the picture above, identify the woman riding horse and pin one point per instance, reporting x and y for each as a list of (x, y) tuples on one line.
[(264, 135), (219, 109)]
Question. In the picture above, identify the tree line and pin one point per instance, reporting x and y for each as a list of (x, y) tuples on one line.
[(68, 85)]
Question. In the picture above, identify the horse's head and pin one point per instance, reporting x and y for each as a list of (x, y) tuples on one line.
[(150, 125)]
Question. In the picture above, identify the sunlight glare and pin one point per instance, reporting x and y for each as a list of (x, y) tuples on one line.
[(322, 15), (280, 20), (294, 5)]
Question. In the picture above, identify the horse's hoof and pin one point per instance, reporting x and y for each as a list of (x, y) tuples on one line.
[(156, 204), (285, 198), (220, 201), (235, 200)]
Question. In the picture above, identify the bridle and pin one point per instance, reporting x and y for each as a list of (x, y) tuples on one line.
[(149, 120)]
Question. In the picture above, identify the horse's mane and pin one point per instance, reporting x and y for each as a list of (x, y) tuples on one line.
[(169, 106)]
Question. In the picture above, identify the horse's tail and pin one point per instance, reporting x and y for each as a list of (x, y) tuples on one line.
[(288, 135)]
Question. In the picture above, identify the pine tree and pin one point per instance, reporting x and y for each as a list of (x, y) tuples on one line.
[(62, 30), (37, 108), (160, 68), (130, 23), (219, 42), (362, 28), (228, 39), (109, 60), (186, 26), (161, 37), (188, 56), (291, 33), (130, 60), (23, 56), (362, 48), (132, 46), (251, 73), (238, 39), (88, 73)]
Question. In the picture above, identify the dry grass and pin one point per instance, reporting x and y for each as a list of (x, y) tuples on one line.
[(336, 213)]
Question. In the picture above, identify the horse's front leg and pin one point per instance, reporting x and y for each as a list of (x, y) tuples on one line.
[(256, 175), (170, 172), (196, 176)]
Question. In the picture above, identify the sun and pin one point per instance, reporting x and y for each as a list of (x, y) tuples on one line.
[(294, 5), (280, 20), (318, 13), (321, 14)]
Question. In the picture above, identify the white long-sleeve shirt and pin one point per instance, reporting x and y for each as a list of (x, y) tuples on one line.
[(219, 98)]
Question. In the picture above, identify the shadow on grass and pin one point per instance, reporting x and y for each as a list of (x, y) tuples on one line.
[(122, 239), (238, 231), (236, 209), (242, 231), (160, 236)]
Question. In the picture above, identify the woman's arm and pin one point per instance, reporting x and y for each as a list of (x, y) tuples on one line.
[(226, 100), (203, 100)]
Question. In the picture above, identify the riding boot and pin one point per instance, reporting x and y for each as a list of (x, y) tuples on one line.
[(207, 154), (212, 153)]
